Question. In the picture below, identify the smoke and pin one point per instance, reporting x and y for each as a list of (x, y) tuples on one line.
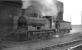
[(46, 7), (26, 4), (49, 7)]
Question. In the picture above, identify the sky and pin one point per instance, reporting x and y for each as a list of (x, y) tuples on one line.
[(72, 11)]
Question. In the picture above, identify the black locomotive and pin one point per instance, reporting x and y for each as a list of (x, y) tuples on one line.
[(39, 28)]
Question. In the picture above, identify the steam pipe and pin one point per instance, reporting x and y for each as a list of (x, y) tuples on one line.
[(23, 12), (50, 21)]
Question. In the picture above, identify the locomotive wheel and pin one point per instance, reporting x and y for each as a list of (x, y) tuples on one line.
[(34, 36), (48, 35), (39, 36), (68, 30), (29, 36), (43, 36)]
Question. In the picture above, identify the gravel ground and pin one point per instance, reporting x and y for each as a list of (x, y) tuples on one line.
[(33, 45), (41, 44)]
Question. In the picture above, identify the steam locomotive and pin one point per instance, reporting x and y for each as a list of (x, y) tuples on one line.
[(40, 28)]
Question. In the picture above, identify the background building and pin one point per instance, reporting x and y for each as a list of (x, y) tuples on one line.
[(60, 10), (72, 11), (7, 12)]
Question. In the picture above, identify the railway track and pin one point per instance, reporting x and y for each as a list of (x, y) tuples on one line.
[(63, 46)]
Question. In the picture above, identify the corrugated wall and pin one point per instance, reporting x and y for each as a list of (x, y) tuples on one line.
[(7, 12)]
